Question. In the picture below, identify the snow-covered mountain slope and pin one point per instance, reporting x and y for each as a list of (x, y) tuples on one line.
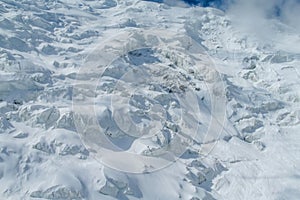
[(110, 99)]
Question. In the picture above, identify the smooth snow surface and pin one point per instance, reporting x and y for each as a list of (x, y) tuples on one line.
[(108, 99)]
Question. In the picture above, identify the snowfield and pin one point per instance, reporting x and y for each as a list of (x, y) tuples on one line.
[(131, 99)]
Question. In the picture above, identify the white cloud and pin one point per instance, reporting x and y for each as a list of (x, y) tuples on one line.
[(291, 13), (265, 18)]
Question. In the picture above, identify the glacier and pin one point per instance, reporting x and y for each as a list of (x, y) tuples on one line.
[(132, 99)]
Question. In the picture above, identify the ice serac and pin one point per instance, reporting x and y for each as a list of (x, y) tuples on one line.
[(229, 115)]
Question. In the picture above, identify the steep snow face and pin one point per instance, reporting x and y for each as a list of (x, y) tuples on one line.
[(125, 100)]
